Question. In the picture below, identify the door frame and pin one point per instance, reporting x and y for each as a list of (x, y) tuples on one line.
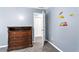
[(43, 12)]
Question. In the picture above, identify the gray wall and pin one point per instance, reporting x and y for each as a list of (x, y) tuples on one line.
[(66, 38), (9, 17)]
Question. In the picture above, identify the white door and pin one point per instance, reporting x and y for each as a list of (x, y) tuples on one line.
[(39, 24)]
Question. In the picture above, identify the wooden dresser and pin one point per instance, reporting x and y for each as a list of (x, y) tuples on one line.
[(19, 37)]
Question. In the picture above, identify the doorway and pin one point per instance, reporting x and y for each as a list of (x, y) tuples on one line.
[(39, 27)]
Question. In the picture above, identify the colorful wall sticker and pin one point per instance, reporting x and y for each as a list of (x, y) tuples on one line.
[(72, 14), (61, 16), (63, 24), (61, 13)]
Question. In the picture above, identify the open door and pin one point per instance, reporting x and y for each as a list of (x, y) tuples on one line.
[(39, 26)]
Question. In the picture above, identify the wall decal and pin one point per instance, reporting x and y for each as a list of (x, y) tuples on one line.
[(61, 16), (71, 14), (61, 13), (63, 24)]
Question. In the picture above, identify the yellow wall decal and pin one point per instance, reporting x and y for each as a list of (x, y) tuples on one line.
[(60, 16)]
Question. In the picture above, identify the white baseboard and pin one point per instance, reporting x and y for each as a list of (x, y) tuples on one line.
[(3, 46), (55, 46)]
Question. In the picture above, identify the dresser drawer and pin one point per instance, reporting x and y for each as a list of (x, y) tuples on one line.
[(19, 38)]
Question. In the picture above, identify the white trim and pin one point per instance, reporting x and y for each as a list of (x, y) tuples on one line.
[(55, 46), (40, 8), (3, 46)]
